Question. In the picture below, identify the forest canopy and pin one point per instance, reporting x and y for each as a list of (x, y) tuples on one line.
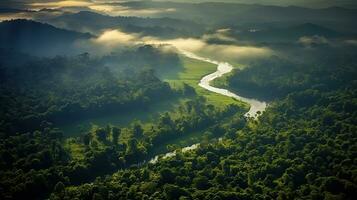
[(179, 100)]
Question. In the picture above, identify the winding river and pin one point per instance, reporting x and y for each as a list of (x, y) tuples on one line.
[(256, 106), (222, 69)]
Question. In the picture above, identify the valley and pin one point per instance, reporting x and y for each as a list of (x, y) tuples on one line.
[(178, 100)]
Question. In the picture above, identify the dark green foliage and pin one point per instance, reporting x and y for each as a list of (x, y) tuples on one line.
[(167, 176), (32, 164), (187, 90), (201, 183), (302, 147), (137, 130), (39, 94), (173, 192), (38, 38), (324, 69), (59, 189), (115, 133), (97, 196), (26, 156), (102, 134), (284, 156), (65, 89)]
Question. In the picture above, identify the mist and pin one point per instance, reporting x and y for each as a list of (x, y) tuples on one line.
[(113, 40), (178, 100)]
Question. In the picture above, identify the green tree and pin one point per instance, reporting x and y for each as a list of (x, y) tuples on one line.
[(201, 183), (167, 175), (102, 134), (115, 134), (97, 196), (137, 130), (59, 189), (173, 192)]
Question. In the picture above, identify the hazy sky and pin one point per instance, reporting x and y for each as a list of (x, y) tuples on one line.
[(306, 3)]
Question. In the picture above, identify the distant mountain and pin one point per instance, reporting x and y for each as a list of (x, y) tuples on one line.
[(309, 29), (95, 23), (302, 3), (286, 34), (228, 14), (37, 38), (12, 10)]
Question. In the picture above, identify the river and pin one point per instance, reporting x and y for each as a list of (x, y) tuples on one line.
[(222, 69), (256, 106)]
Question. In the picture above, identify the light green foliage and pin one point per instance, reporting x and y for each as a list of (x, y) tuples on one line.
[(193, 71)]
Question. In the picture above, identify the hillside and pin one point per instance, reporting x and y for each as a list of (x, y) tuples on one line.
[(286, 34), (37, 38), (227, 14), (95, 22)]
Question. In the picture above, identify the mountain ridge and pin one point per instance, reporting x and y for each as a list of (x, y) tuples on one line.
[(37, 38)]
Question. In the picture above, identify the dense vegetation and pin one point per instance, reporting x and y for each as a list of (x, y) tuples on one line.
[(38, 38), (61, 89), (36, 162), (39, 94), (303, 146), (295, 151), (325, 68)]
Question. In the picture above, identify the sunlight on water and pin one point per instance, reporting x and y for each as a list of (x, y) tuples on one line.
[(223, 68)]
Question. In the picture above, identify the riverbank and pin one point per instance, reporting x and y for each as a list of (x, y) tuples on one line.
[(192, 73), (222, 68)]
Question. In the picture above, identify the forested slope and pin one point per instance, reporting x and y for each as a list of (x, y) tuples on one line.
[(302, 147)]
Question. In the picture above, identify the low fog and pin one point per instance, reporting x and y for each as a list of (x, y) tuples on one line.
[(115, 40)]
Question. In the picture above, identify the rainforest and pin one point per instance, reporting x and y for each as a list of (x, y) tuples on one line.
[(178, 100)]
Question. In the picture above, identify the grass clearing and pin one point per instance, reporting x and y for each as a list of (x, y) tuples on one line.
[(193, 71)]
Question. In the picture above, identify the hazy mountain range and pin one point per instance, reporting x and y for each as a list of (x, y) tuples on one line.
[(37, 38), (304, 3)]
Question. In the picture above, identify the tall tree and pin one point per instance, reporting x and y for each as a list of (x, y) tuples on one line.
[(115, 134)]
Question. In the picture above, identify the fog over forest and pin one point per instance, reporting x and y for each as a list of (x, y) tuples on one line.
[(178, 100)]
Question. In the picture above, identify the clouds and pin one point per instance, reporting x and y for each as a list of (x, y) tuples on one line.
[(113, 7), (40, 4), (61, 4), (220, 52), (221, 35), (309, 41), (185, 44), (112, 40), (320, 41), (107, 42), (117, 9), (351, 42), (15, 15), (82, 3), (115, 37)]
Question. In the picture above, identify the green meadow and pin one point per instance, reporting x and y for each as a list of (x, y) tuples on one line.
[(191, 74)]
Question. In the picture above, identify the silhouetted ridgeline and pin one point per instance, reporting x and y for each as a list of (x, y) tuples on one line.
[(37, 38)]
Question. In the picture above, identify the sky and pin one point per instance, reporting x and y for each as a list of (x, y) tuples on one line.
[(304, 3), (104, 6)]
